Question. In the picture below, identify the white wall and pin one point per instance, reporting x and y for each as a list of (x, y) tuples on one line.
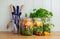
[(56, 12), (29, 5)]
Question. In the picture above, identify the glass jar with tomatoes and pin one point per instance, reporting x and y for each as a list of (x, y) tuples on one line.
[(37, 27), (27, 28)]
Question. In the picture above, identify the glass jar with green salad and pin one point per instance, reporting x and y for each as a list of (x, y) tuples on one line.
[(47, 27)]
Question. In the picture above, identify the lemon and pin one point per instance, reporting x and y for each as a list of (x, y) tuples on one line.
[(39, 23), (46, 33)]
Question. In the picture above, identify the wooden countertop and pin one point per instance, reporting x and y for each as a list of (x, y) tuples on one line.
[(9, 35)]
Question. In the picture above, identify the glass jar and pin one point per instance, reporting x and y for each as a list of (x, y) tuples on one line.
[(47, 27), (21, 25), (38, 27), (27, 28)]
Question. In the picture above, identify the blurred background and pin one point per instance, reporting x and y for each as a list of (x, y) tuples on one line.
[(29, 5)]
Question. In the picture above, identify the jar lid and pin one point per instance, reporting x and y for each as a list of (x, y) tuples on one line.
[(37, 18)]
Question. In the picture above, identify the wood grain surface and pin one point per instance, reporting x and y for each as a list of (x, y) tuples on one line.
[(9, 35)]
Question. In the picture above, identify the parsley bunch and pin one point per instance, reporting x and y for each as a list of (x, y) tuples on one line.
[(40, 13)]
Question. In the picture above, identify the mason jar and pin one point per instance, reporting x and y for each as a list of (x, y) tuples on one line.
[(21, 25), (37, 26), (47, 27), (27, 28)]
